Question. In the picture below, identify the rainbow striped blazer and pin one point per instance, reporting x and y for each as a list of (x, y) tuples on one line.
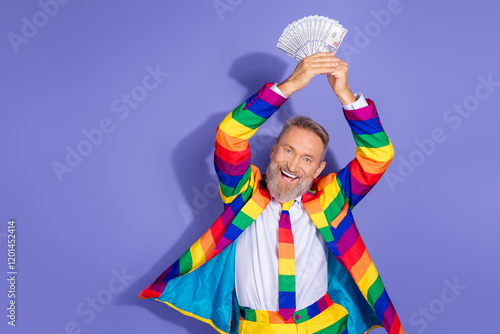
[(201, 282)]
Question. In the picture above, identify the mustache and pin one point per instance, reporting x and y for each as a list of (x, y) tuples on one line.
[(282, 191)]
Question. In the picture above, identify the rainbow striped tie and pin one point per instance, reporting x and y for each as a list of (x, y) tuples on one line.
[(286, 264)]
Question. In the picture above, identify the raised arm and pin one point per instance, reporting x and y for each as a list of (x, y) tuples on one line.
[(374, 150), (374, 153), (232, 152)]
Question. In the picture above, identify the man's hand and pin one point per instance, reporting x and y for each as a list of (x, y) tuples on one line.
[(307, 68), (320, 63), (338, 81)]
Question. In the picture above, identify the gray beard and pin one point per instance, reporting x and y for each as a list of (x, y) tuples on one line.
[(278, 189)]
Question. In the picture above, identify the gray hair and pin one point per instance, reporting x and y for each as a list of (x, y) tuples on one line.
[(306, 123)]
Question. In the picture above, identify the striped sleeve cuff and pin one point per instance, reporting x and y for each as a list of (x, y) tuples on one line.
[(270, 96)]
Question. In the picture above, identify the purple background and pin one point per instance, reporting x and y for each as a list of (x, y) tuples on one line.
[(145, 191)]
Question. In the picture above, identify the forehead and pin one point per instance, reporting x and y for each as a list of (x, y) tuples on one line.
[(303, 140)]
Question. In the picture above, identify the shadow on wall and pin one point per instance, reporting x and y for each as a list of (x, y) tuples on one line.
[(201, 203)]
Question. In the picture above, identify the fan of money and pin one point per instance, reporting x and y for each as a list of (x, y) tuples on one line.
[(310, 35)]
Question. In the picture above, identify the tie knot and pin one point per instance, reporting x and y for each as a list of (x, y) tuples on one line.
[(286, 206)]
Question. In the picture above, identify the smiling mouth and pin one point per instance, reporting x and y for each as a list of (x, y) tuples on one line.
[(288, 176)]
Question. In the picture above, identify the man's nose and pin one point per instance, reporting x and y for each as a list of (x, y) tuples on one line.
[(293, 164)]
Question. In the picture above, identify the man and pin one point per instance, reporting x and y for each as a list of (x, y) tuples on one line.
[(298, 264)]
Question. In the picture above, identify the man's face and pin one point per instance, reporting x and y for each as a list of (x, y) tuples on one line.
[(296, 159)]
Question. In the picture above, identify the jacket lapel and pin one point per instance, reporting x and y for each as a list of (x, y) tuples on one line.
[(245, 217)]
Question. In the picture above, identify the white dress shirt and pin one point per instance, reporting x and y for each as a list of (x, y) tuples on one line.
[(256, 262)]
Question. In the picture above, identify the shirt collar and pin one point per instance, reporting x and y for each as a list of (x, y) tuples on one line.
[(297, 200)]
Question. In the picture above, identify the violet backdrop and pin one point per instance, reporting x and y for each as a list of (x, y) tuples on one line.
[(108, 120)]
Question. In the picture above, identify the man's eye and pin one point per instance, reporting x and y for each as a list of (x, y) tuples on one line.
[(307, 160), (288, 150)]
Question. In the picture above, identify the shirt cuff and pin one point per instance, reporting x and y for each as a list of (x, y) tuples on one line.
[(359, 103), (275, 89)]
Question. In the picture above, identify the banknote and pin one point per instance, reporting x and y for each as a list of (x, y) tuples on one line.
[(310, 35)]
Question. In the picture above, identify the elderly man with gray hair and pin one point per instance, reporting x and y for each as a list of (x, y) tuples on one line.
[(285, 256)]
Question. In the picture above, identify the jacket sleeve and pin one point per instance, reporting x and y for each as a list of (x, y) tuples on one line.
[(374, 153), (232, 152)]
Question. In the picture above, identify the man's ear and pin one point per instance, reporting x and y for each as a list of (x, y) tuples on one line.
[(320, 169)]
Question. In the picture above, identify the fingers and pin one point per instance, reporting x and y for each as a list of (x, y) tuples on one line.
[(322, 63), (322, 56), (341, 66), (308, 67)]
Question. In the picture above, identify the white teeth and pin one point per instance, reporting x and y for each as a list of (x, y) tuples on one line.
[(289, 175)]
